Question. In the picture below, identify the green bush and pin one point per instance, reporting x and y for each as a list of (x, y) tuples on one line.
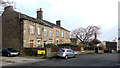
[(66, 44), (60, 45), (40, 46), (51, 45), (90, 47)]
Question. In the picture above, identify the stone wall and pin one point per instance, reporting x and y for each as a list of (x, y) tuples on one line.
[(27, 36), (11, 34), (59, 38), (16, 32)]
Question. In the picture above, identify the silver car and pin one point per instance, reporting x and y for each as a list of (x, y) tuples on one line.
[(66, 53)]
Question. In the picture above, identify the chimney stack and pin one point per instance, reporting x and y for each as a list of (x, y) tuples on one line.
[(9, 8), (95, 35), (58, 23), (40, 14)]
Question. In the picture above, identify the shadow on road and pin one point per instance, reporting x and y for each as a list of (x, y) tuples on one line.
[(54, 58)]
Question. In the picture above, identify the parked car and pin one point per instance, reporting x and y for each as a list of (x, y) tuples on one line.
[(10, 52), (118, 51), (108, 51), (66, 53)]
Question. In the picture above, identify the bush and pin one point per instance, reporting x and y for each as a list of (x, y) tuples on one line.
[(51, 45), (90, 47), (61, 45), (66, 44), (40, 46)]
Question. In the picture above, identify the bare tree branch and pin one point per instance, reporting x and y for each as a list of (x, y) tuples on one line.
[(84, 35)]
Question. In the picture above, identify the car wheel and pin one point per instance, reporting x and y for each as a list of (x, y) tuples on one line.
[(74, 56), (8, 55), (66, 57)]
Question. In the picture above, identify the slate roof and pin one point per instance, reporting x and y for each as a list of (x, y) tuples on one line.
[(25, 17), (42, 22), (54, 25)]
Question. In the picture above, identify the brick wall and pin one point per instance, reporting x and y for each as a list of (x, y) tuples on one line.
[(56, 49)]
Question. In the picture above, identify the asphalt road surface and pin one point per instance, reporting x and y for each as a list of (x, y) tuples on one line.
[(80, 60)]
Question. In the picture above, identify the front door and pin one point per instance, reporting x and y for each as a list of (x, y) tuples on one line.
[(45, 43), (31, 43)]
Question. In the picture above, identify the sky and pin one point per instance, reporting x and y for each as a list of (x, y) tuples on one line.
[(76, 13)]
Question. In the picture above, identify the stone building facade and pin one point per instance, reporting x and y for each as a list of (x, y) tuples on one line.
[(74, 41), (22, 31)]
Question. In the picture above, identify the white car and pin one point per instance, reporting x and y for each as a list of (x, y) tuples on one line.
[(66, 53)]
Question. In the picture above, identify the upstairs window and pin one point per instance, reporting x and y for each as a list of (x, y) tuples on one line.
[(38, 30), (57, 32), (31, 29), (66, 35), (62, 34), (50, 33), (45, 32)]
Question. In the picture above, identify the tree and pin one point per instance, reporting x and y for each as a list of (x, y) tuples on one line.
[(4, 4), (85, 35)]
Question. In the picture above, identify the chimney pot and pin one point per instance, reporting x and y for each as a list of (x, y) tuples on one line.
[(58, 22), (40, 9), (40, 14)]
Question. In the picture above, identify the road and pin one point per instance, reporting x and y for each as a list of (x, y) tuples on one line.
[(80, 60)]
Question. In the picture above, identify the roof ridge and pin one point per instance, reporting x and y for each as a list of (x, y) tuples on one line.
[(54, 25)]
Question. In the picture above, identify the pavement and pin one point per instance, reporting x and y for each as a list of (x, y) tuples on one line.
[(8, 61)]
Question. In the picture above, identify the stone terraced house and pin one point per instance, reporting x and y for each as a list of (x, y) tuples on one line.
[(22, 31)]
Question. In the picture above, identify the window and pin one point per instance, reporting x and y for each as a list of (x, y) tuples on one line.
[(31, 29), (31, 43), (57, 42), (38, 30), (62, 34), (66, 35), (50, 33), (45, 42), (50, 42), (57, 32), (45, 32), (38, 42), (69, 51)]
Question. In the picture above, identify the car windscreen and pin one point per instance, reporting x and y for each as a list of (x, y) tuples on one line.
[(61, 50), (12, 50)]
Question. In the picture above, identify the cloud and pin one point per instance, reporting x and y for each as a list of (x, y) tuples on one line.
[(76, 13)]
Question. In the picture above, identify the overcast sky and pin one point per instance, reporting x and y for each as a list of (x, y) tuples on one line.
[(76, 13)]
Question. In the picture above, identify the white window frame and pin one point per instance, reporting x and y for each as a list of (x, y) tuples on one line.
[(45, 32), (66, 35), (50, 42), (39, 42), (50, 33), (32, 29), (62, 34), (38, 30), (57, 32), (32, 42)]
